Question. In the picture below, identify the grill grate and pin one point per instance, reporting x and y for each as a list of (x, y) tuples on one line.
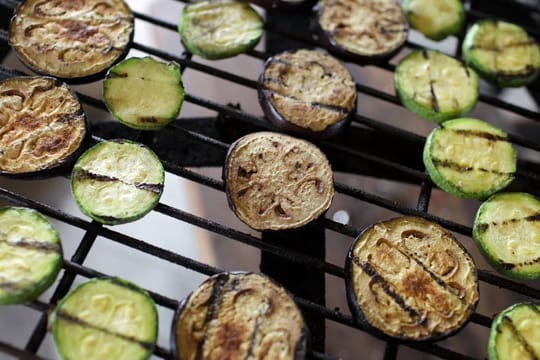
[(370, 159)]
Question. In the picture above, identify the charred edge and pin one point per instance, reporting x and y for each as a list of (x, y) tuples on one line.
[(124, 284), (148, 119), (455, 166), (434, 100), (13, 92), (110, 219), (480, 134), (279, 61), (335, 108), (113, 75), (425, 54), (83, 174), (482, 227), (528, 348), (155, 188), (506, 266), (73, 319), (34, 245), (535, 309)]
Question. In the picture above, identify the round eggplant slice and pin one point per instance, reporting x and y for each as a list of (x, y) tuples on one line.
[(507, 230), (30, 255), (144, 93), (502, 53), (218, 29), (105, 319), (409, 278), (469, 158), (75, 40), (42, 126), (239, 316), (117, 181), (307, 92), (436, 86), (277, 182), (514, 333), (362, 30), (436, 19)]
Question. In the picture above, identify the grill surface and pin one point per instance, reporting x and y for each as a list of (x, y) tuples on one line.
[(373, 147)]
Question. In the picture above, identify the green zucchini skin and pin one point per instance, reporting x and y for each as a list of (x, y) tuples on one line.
[(84, 327), (502, 53), (515, 327), (144, 93), (513, 220), (27, 231), (204, 23), (447, 90), (426, 16)]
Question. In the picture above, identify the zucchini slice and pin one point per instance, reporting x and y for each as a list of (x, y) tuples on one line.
[(365, 30), (507, 230), (436, 86), (42, 126), (117, 181), (469, 158), (307, 92), (239, 316), (30, 255), (144, 93), (217, 29), (502, 53), (277, 182), (436, 19), (514, 333), (76, 41), (105, 319), (409, 278)]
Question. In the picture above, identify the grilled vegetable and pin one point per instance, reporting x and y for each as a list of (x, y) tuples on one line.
[(307, 92), (106, 318), (117, 181), (73, 40), (366, 30), (217, 29), (239, 316), (144, 93), (409, 278), (436, 86), (502, 53), (277, 182), (514, 333), (469, 158), (30, 255), (436, 19), (507, 230), (42, 126)]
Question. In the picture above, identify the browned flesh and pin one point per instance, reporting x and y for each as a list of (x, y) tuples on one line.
[(71, 38), (41, 124), (309, 88), (364, 27), (239, 316), (412, 280), (277, 182)]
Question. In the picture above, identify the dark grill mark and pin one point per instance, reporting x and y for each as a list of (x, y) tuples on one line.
[(498, 49), (484, 226), (148, 119), (434, 100), (425, 54), (13, 92), (253, 336), (9, 286), (414, 233), (268, 92), (155, 188), (34, 245), (519, 337), (117, 75), (465, 67), (506, 266), (480, 134), (455, 166), (83, 174)]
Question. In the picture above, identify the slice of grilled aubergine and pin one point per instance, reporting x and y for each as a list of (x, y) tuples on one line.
[(277, 182), (74, 40), (117, 181), (507, 230), (436, 19), (42, 126), (366, 30), (307, 92), (239, 316), (409, 278)]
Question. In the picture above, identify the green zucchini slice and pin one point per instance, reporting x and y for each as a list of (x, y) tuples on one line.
[(514, 333), (436, 86), (507, 230), (144, 93), (217, 29), (30, 255), (502, 53), (105, 319), (117, 181), (436, 19), (409, 278), (469, 158)]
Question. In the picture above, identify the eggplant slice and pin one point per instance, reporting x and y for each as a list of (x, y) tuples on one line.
[(307, 92), (75, 40), (409, 278), (42, 126), (362, 30), (239, 316), (277, 182)]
